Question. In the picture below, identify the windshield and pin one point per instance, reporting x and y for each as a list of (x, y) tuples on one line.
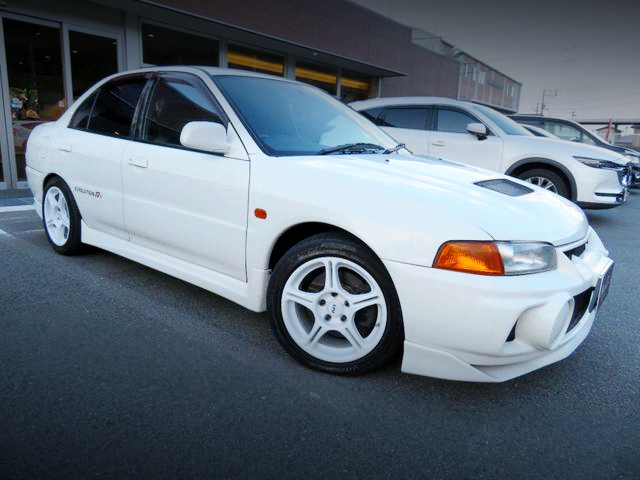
[(287, 118), (507, 125)]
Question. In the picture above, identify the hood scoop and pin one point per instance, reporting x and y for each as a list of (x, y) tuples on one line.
[(505, 186)]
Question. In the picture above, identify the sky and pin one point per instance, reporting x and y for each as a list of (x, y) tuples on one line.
[(585, 52)]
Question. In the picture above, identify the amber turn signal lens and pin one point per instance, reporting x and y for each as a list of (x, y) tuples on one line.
[(260, 213), (481, 258)]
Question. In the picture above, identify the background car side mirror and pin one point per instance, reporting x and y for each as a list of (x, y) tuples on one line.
[(478, 129), (206, 136)]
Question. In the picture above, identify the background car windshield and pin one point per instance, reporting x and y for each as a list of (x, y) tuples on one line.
[(510, 127), (287, 118)]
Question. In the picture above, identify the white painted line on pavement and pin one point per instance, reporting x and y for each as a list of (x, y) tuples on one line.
[(18, 208)]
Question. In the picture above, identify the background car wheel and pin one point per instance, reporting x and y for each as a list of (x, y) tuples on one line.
[(546, 179), (333, 306), (61, 217)]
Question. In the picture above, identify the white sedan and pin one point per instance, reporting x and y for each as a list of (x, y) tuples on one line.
[(274, 195)]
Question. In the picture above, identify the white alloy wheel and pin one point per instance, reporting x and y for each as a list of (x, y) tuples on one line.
[(56, 216), (543, 182), (334, 309)]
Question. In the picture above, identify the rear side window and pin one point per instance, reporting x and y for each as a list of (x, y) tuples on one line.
[(82, 114), (414, 118), (175, 101), (114, 108)]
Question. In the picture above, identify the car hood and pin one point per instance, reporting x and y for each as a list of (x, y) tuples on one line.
[(554, 147), (503, 207)]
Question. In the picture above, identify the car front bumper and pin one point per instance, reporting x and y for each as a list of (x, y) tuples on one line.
[(491, 329)]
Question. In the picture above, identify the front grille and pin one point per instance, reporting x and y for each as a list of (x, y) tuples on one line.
[(580, 307)]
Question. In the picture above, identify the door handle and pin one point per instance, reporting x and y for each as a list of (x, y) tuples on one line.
[(138, 162), (64, 147), (439, 143)]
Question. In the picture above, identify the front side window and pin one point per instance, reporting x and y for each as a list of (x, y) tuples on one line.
[(453, 121), (114, 107), (174, 102), (407, 117)]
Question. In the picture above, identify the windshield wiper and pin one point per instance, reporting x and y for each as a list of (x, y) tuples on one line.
[(399, 146), (360, 147)]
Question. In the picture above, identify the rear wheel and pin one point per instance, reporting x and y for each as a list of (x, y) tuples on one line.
[(333, 306), (546, 179), (61, 217)]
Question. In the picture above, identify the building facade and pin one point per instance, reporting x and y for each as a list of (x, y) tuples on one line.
[(51, 52)]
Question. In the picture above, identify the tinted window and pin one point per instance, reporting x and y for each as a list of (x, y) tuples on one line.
[(114, 108), (406, 117), (80, 118), (453, 121), (174, 102)]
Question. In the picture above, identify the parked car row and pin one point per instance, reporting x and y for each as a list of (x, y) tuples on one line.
[(479, 135), (277, 196)]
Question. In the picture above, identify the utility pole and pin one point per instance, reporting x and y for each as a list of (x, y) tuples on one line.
[(547, 93)]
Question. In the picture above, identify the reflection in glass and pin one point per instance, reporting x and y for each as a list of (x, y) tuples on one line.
[(34, 70), (162, 46), (92, 58)]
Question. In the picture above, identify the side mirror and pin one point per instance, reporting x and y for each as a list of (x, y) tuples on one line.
[(206, 136), (478, 129)]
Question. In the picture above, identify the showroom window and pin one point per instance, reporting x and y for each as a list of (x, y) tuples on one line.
[(254, 60), (355, 86), (175, 101), (93, 57), (322, 77), (163, 46)]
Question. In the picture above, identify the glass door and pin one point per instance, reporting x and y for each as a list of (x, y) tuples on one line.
[(36, 86)]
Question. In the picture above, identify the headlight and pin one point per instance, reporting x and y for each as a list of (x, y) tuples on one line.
[(597, 163), (635, 159), (496, 258)]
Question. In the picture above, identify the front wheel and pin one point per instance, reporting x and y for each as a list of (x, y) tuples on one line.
[(61, 217), (333, 306), (546, 179)]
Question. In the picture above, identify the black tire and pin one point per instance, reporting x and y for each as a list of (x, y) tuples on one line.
[(349, 325), (61, 217), (547, 179)]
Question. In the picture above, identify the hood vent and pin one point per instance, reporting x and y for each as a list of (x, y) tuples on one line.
[(504, 186)]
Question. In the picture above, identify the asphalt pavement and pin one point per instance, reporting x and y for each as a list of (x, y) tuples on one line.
[(109, 369)]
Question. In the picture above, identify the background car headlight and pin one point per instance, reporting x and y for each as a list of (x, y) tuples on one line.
[(496, 258), (598, 163), (632, 158)]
